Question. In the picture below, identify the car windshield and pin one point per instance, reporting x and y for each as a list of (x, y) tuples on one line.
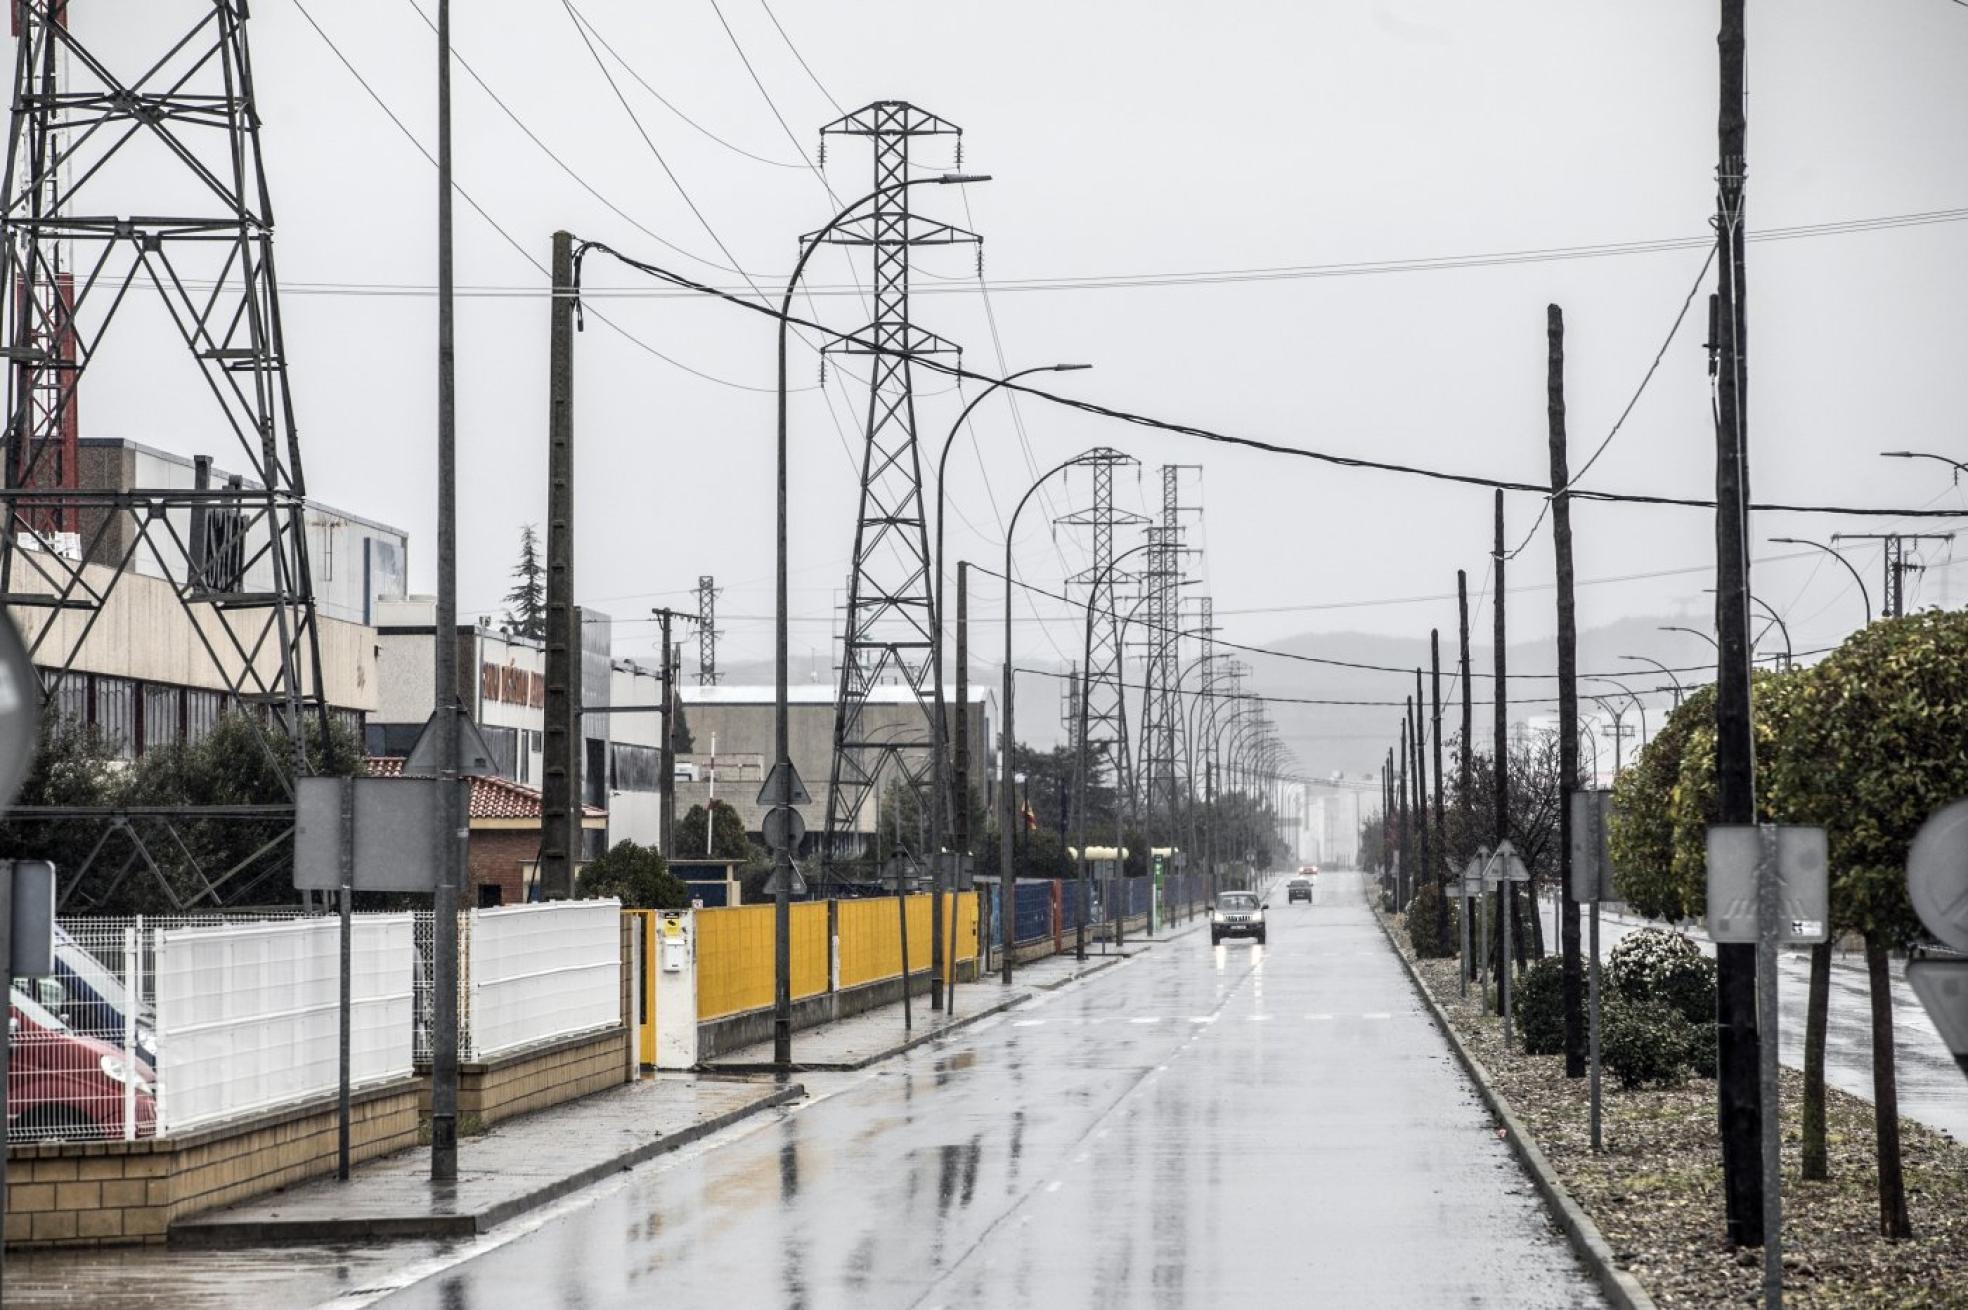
[(1236, 901)]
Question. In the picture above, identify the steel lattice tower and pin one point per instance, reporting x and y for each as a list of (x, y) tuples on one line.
[(707, 631), (890, 600), (150, 186), (1101, 685), (1161, 580)]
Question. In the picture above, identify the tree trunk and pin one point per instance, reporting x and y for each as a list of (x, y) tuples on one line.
[(1893, 1221), (1817, 1164)]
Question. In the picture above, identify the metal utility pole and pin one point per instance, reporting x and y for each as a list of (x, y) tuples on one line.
[(707, 631), (446, 821), (1737, 1081), (1507, 892), (1568, 762), (147, 177), (666, 785), (560, 738), (960, 777), (891, 611), (1896, 564)]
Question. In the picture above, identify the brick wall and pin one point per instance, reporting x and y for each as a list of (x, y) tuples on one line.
[(118, 1193), (495, 856)]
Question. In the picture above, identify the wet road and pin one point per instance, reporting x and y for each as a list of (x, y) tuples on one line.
[(1198, 1126)]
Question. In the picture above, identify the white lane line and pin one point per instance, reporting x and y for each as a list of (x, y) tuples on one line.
[(1377, 1014), (1256, 1018), (1152, 1018), (1052, 1186), (1202, 1018), (1026, 1023)]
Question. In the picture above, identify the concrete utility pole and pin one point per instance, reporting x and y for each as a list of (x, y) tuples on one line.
[(1441, 864), (1469, 965), (1506, 893), (1735, 747), (1419, 743), (1404, 880), (1568, 762), (446, 820), (560, 745)]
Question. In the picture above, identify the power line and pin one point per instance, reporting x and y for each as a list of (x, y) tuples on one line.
[(1252, 443), (1359, 268), (494, 224), (821, 87)]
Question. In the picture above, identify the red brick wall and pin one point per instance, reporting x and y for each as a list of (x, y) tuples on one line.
[(496, 856)]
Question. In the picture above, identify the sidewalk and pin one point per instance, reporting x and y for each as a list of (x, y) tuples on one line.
[(873, 1036), (516, 1166)]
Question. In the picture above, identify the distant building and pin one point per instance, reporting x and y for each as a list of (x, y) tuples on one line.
[(502, 684), (503, 849), (740, 721)]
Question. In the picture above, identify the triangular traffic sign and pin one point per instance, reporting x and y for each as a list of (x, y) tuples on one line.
[(769, 790)]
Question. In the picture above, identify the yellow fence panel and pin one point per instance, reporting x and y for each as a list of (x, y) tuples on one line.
[(809, 949), (734, 960)]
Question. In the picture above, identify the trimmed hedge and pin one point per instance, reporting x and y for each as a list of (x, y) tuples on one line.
[(1538, 1003)]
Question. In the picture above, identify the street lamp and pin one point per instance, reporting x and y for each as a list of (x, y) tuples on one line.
[(1099, 455), (1697, 632), (1831, 551), (1643, 659), (1637, 704), (1954, 464), (940, 765), (782, 765), (1776, 620)]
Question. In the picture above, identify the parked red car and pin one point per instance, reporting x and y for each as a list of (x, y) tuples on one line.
[(63, 1086)]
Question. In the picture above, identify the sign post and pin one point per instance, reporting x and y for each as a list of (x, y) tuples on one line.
[(1469, 890), (1768, 884), (1592, 882), (1502, 868)]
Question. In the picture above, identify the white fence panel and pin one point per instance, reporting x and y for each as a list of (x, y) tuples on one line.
[(248, 1014), (543, 971)]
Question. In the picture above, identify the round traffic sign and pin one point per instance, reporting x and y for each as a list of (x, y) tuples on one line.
[(784, 828), (20, 712), (1937, 874)]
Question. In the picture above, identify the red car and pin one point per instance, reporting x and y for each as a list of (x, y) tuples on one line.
[(62, 1086)]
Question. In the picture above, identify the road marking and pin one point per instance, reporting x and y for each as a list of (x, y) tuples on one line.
[(1257, 1018), (1377, 1014), (1147, 1019), (1052, 1186), (1202, 1018), (1026, 1023)]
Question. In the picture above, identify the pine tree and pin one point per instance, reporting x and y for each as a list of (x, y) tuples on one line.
[(526, 605)]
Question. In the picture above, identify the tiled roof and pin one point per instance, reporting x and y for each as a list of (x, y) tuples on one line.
[(491, 798)]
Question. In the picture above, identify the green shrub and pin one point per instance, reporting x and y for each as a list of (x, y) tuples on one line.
[(1421, 927), (1643, 1043), (638, 875), (1538, 1003), (1656, 965)]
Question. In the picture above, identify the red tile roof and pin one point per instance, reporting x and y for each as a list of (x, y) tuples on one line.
[(491, 798)]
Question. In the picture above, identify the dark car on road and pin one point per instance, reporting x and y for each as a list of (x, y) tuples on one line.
[(1298, 889), (1237, 914)]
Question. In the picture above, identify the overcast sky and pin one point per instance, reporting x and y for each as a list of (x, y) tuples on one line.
[(1136, 138)]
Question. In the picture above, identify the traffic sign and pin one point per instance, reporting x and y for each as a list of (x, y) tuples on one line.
[(20, 712), (1735, 854), (784, 828), (798, 887), (1937, 874), (769, 790), (1505, 866), (1470, 885), (1592, 861), (1942, 986)]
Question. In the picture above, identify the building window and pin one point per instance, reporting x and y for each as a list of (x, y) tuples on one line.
[(635, 768), (116, 714), (163, 717), (504, 745), (202, 711)]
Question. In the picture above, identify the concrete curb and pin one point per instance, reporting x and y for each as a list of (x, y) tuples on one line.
[(193, 1234), (1622, 1289)]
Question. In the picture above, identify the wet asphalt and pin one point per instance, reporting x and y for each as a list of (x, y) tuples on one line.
[(1198, 1126)]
